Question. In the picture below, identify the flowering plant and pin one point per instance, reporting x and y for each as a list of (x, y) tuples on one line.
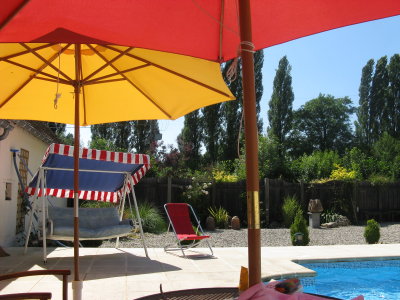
[(197, 192)]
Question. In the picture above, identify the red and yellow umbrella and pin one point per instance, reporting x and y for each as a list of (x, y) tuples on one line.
[(216, 30)]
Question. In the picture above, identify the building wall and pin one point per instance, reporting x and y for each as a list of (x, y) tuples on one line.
[(18, 138)]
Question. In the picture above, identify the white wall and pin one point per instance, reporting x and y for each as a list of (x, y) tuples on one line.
[(18, 138)]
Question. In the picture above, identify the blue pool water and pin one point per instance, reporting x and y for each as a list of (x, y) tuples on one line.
[(345, 280)]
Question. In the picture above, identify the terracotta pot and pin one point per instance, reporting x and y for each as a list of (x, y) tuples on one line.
[(235, 223), (210, 223), (315, 206)]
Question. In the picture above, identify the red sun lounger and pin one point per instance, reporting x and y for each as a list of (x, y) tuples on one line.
[(179, 219)]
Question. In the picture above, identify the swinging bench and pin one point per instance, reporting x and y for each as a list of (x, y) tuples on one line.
[(103, 176)]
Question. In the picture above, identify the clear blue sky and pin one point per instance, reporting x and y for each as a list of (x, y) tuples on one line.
[(328, 63)]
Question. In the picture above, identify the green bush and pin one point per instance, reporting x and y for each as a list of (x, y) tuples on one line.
[(299, 226), (317, 165), (289, 210), (372, 232), (220, 216), (152, 220)]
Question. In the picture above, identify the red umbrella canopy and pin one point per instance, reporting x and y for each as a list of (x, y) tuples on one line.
[(206, 29)]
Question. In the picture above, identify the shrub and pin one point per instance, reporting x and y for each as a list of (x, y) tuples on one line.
[(289, 210), (220, 216), (152, 220), (315, 166), (299, 226), (379, 179), (223, 176), (341, 173), (372, 232)]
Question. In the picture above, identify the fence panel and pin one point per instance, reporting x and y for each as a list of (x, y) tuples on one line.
[(379, 201)]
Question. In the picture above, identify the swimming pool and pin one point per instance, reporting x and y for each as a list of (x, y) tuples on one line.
[(379, 279)]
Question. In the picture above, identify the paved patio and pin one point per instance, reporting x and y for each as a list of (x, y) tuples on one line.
[(127, 273)]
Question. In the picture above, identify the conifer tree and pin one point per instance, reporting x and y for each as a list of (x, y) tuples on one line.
[(378, 99), (363, 125), (211, 121), (189, 141), (232, 111), (280, 106), (394, 95), (145, 133)]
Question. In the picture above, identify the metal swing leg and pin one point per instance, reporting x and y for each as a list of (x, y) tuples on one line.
[(138, 215)]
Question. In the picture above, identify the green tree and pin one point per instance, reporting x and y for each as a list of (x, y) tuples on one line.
[(258, 65), (57, 128), (122, 132), (363, 125), (211, 121), (145, 134), (189, 141), (378, 99), (358, 161), (103, 131), (317, 165), (387, 153), (101, 144), (116, 134), (231, 111), (394, 96), (281, 103), (231, 114), (323, 124), (271, 164)]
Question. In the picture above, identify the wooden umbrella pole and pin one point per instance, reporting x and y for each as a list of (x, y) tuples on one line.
[(251, 136), (76, 161)]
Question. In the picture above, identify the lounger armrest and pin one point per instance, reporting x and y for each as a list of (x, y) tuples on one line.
[(126, 222)]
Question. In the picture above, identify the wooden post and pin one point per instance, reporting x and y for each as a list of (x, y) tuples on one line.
[(354, 201), (251, 142), (267, 200), (302, 192)]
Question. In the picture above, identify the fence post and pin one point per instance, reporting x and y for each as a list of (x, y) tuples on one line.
[(355, 201), (266, 187), (169, 188), (302, 192), (214, 193)]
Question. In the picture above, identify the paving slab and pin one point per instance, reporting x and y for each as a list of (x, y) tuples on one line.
[(110, 273)]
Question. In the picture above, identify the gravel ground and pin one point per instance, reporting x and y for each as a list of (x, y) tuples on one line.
[(348, 235)]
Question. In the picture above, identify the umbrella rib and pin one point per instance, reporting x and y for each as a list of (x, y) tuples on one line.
[(63, 81), (106, 64), (29, 79), (48, 62), (103, 81), (26, 51), (134, 85), (100, 79), (83, 96), (36, 71), (171, 71)]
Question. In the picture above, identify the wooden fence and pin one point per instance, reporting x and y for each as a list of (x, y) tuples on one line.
[(358, 201)]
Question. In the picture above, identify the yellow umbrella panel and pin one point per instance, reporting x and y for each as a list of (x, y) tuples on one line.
[(116, 83)]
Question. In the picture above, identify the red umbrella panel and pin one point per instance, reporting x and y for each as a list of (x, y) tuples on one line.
[(217, 30)]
